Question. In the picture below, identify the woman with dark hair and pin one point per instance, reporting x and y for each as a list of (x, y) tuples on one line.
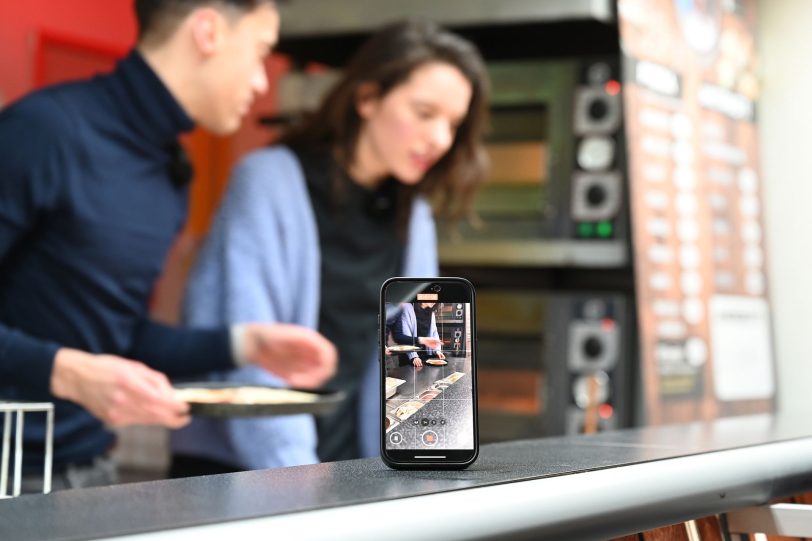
[(311, 227)]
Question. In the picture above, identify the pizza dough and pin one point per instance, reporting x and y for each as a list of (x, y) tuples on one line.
[(453, 378), (436, 362), (245, 395), (402, 348), (407, 409)]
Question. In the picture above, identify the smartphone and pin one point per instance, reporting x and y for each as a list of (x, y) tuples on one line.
[(427, 341)]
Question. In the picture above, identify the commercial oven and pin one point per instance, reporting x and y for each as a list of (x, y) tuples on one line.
[(552, 362), (555, 194)]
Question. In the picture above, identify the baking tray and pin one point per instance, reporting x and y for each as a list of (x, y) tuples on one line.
[(326, 402), (392, 385)]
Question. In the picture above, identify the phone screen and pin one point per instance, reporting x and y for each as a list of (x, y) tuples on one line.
[(428, 357)]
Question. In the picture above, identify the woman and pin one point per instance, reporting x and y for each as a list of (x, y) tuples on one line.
[(311, 227)]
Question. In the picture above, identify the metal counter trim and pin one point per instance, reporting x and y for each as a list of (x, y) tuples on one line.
[(598, 504)]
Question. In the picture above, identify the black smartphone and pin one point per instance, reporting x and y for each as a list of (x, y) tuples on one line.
[(428, 381)]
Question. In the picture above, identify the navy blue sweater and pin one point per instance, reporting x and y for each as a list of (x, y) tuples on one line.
[(88, 211)]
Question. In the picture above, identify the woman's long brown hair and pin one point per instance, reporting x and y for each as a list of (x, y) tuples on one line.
[(386, 60)]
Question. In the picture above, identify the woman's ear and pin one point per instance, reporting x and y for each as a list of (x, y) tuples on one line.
[(366, 99)]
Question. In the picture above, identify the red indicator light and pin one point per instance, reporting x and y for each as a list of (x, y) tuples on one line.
[(612, 88), (606, 411), (607, 324)]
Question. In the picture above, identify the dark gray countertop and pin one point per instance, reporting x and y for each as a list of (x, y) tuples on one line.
[(162, 505)]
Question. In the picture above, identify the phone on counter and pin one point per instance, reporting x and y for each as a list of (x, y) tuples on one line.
[(427, 338)]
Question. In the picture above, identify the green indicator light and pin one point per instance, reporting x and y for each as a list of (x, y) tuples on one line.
[(586, 229), (605, 229)]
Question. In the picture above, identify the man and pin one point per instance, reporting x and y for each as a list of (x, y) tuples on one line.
[(93, 190), (418, 325)]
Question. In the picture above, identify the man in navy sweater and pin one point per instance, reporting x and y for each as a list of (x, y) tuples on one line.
[(93, 190)]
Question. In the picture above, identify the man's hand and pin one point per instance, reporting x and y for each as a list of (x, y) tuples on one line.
[(440, 355), (417, 362), (300, 356), (118, 391)]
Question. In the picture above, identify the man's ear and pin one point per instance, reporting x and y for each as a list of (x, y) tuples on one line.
[(366, 99), (208, 29)]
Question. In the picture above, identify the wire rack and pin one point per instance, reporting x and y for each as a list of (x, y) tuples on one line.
[(14, 413)]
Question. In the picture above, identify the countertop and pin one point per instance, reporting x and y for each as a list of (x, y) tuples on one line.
[(593, 486)]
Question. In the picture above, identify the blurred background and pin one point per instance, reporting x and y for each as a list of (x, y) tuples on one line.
[(641, 254)]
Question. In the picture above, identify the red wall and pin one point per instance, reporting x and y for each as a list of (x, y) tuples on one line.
[(110, 23), (81, 36)]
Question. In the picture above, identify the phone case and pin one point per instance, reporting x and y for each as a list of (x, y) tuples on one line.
[(407, 411)]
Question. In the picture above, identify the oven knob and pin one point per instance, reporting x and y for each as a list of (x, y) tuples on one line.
[(591, 388), (598, 109), (596, 195), (593, 347), (595, 153)]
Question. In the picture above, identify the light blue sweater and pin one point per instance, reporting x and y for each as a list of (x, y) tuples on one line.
[(262, 262)]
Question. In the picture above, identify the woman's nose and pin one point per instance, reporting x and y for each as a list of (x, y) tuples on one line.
[(442, 135)]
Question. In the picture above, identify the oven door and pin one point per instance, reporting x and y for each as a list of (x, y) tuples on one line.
[(551, 363), (554, 194)]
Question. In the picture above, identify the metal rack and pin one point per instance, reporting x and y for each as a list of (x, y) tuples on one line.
[(8, 410)]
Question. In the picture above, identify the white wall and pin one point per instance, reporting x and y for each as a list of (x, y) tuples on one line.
[(785, 116)]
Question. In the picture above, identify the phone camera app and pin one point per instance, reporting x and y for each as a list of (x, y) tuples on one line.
[(429, 375)]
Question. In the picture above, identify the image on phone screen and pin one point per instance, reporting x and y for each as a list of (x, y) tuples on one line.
[(427, 356)]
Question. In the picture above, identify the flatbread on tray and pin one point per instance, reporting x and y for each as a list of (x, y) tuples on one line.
[(436, 362), (245, 395), (233, 399), (402, 348)]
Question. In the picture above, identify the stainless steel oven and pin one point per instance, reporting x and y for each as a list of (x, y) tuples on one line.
[(555, 195), (451, 326), (552, 362)]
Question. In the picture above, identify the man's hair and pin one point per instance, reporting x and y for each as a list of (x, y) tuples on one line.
[(158, 19)]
